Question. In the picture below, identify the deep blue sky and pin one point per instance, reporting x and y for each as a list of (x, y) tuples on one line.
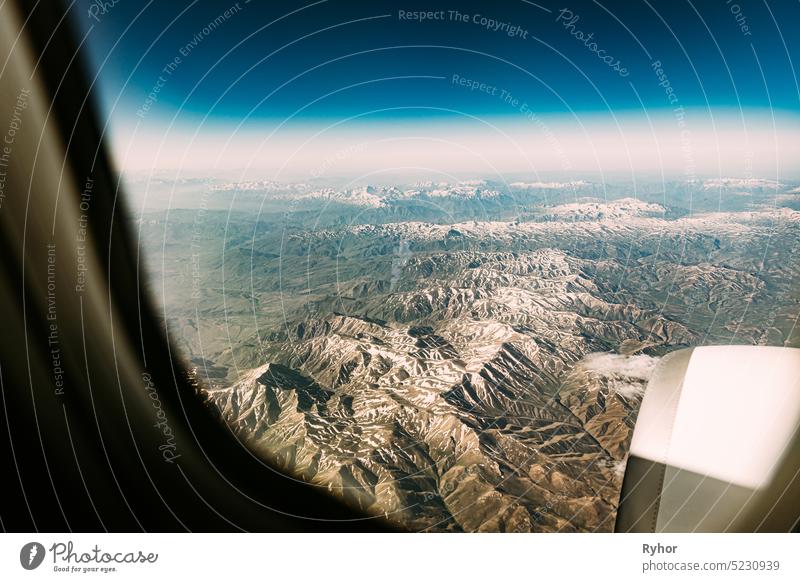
[(703, 74), (711, 62)]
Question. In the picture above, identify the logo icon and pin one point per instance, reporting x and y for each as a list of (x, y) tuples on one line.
[(31, 555)]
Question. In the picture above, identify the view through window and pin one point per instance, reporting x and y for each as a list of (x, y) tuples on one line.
[(428, 257)]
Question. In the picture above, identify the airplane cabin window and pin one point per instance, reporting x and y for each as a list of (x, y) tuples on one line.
[(507, 268)]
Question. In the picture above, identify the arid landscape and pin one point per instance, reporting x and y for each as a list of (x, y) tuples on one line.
[(467, 356)]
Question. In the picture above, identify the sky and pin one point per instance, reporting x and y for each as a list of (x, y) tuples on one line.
[(287, 90)]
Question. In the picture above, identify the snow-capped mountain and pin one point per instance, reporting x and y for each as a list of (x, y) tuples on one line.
[(460, 373)]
